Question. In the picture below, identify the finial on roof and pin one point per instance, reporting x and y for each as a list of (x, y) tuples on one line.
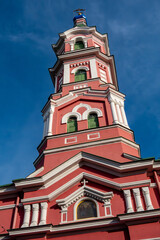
[(79, 19)]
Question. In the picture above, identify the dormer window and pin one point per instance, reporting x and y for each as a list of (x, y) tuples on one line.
[(86, 209), (78, 45), (80, 75)]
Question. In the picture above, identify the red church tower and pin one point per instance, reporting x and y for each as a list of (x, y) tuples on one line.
[(90, 181)]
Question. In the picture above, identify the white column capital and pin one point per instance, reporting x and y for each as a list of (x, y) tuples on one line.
[(27, 208)]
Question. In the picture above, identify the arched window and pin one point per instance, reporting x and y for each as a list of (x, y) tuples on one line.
[(93, 120), (86, 209), (80, 75), (78, 45), (72, 124)]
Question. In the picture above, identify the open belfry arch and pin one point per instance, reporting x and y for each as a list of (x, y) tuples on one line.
[(90, 181)]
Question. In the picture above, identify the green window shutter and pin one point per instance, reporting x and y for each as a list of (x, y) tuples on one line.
[(93, 120), (78, 45), (80, 75), (72, 124)]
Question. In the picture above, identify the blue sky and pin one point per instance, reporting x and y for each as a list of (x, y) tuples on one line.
[(27, 30)]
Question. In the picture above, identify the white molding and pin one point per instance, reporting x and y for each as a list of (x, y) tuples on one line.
[(139, 215), (84, 191), (33, 174), (7, 206), (95, 143), (80, 106), (71, 114), (70, 140), (91, 110), (78, 178), (37, 229), (79, 68), (93, 136)]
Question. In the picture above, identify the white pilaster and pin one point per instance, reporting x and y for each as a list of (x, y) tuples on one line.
[(44, 206), (44, 127), (147, 198), (35, 211), (128, 201), (137, 197), (50, 121), (124, 116), (66, 73), (93, 68), (64, 211), (107, 205), (113, 109), (72, 45), (26, 219), (85, 43), (109, 71), (119, 113), (55, 84)]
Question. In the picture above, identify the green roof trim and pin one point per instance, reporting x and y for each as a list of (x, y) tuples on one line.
[(157, 160), (18, 179), (6, 185), (148, 158)]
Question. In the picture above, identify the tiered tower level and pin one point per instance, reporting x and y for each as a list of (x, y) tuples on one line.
[(90, 181)]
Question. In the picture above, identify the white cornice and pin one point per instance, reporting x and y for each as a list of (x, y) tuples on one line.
[(29, 230), (139, 215), (7, 206), (75, 162), (93, 178), (87, 144), (82, 131)]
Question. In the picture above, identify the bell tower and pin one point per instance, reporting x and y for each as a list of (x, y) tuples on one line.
[(90, 181), (87, 110)]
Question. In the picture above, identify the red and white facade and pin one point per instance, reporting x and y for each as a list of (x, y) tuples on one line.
[(102, 164)]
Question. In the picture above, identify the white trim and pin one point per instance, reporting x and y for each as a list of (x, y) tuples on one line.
[(7, 206), (66, 75), (81, 105), (93, 68), (92, 136), (33, 174), (71, 114), (78, 178), (70, 140), (91, 110), (138, 215), (79, 68)]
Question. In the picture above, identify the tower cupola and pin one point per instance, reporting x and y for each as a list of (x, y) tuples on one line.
[(79, 19)]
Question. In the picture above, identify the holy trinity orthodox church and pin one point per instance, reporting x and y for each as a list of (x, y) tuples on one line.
[(90, 181)]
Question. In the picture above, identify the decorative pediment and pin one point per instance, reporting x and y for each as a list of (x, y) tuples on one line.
[(85, 191)]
